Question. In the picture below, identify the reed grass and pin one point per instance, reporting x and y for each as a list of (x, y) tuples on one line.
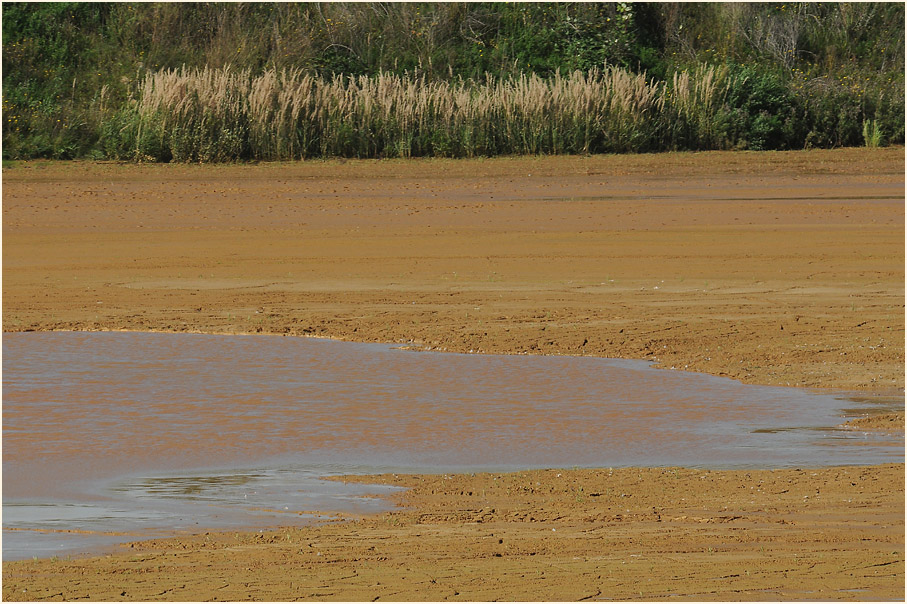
[(872, 134), (205, 114), (696, 99)]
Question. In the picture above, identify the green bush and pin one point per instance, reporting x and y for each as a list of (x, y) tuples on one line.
[(798, 75)]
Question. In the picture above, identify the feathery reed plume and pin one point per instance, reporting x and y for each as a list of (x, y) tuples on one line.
[(227, 114), (695, 100)]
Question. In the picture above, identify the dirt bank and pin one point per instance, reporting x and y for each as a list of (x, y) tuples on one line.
[(772, 268)]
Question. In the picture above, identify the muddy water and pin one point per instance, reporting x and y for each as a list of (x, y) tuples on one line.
[(126, 434)]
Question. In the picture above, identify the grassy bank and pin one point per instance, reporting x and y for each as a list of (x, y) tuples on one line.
[(222, 82)]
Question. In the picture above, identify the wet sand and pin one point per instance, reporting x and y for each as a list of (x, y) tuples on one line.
[(770, 268)]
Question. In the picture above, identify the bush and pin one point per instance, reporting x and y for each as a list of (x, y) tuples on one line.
[(782, 76)]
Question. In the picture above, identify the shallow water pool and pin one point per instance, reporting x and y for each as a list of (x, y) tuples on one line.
[(122, 435)]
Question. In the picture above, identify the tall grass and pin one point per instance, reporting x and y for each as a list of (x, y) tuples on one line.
[(228, 114), (872, 134), (793, 75), (697, 98)]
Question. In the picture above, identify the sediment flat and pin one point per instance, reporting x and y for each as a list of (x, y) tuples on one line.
[(781, 268)]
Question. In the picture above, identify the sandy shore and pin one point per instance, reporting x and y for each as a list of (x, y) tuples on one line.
[(643, 534), (770, 268)]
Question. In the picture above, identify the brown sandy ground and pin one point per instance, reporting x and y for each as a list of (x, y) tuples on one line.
[(637, 534), (885, 422), (772, 268)]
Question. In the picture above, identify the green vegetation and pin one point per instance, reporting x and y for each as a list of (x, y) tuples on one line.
[(872, 136), (224, 82)]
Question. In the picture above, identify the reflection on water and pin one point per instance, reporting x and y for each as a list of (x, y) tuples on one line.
[(194, 488), (163, 431)]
